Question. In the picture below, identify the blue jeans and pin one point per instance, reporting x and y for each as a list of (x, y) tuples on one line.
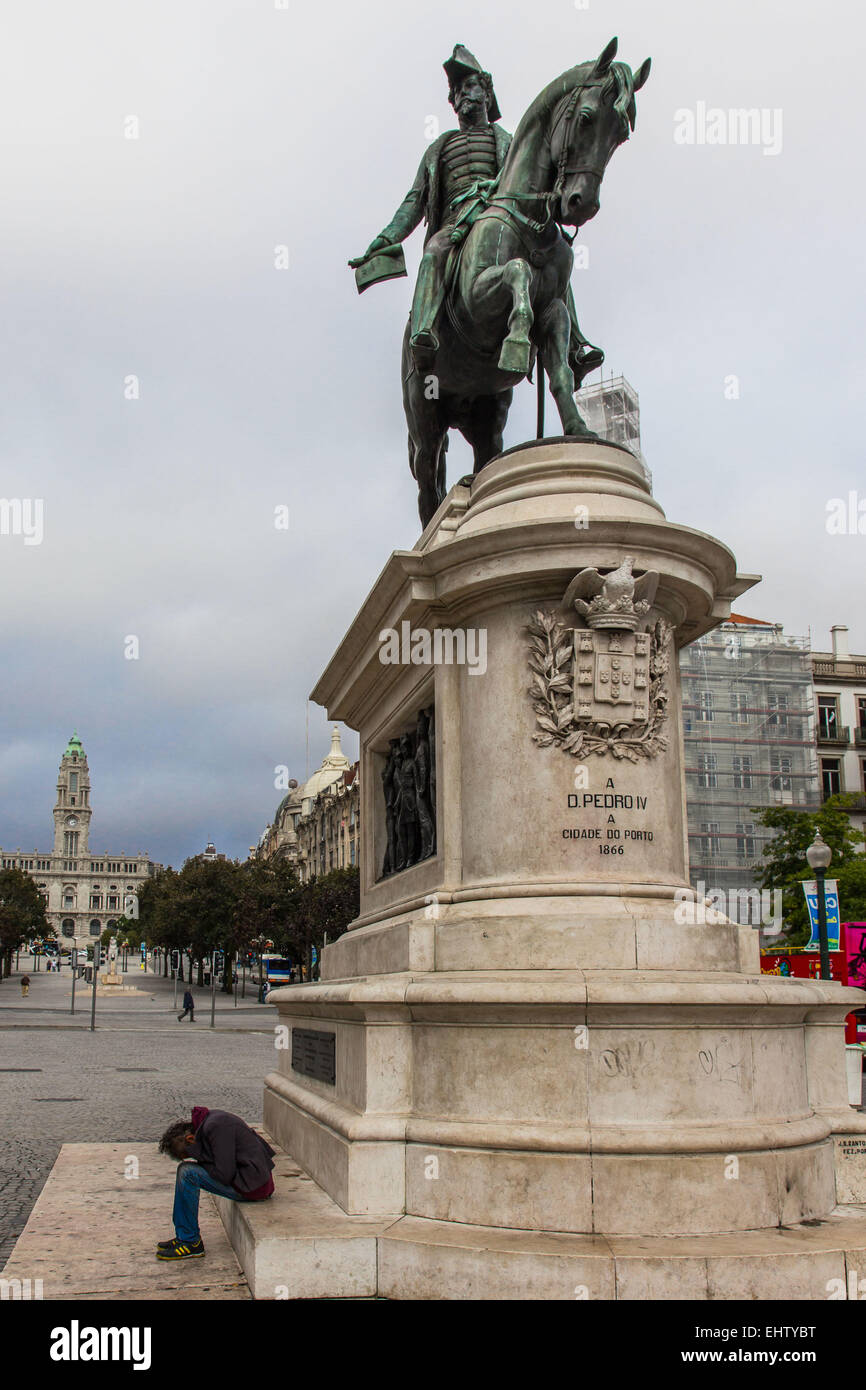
[(191, 1179)]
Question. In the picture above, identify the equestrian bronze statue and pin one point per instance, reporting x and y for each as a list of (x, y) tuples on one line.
[(493, 287)]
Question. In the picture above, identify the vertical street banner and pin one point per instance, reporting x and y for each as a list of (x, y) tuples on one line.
[(831, 900)]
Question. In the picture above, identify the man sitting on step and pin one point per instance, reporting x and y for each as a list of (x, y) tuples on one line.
[(217, 1153)]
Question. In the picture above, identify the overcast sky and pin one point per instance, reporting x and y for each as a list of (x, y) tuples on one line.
[(153, 257)]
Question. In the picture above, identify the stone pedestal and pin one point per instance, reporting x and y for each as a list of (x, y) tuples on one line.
[(528, 1031)]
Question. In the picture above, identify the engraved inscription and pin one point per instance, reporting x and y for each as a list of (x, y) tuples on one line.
[(315, 1054)]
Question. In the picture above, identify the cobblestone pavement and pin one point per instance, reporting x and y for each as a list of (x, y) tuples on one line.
[(128, 1080)]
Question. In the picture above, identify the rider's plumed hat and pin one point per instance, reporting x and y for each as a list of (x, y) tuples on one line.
[(461, 62)]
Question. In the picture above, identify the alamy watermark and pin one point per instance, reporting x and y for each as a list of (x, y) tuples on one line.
[(444, 646), (755, 907), (846, 516), (23, 516), (24, 1290), (737, 126)]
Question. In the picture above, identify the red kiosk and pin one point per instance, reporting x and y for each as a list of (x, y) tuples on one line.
[(847, 966)]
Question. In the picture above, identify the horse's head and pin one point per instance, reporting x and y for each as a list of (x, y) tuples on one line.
[(587, 125)]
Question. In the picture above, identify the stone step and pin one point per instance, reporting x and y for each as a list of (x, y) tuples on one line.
[(421, 1259), (301, 1244)]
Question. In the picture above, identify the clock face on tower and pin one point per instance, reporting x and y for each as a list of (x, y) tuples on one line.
[(71, 820)]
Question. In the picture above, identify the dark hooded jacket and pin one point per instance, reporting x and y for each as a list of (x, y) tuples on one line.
[(232, 1152)]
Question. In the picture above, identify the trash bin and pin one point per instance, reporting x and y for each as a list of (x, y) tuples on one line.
[(854, 1067)]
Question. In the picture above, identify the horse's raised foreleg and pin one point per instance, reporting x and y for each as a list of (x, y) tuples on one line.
[(497, 288), (515, 354), (553, 335)]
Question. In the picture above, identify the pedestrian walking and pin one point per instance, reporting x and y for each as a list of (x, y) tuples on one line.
[(25, 985), (188, 1007), (218, 1153)]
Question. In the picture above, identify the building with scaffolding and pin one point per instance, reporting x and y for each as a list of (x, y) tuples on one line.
[(611, 409), (749, 733)]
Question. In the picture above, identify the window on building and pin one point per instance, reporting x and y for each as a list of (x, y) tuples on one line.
[(742, 764), (780, 768), (863, 773), (861, 713), (778, 702), (67, 927), (95, 928), (745, 840), (710, 842), (113, 902), (831, 776), (352, 842), (707, 765), (73, 781), (95, 901), (705, 706), (828, 716), (68, 899), (739, 706)]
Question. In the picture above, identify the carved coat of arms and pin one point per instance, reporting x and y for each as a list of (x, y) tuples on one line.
[(600, 687)]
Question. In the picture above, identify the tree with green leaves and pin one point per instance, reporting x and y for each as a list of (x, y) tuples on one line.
[(319, 908), (22, 915), (263, 910), (156, 915), (785, 865)]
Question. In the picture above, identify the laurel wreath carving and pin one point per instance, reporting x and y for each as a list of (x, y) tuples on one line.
[(551, 690)]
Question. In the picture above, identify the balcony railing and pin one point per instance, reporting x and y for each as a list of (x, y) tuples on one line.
[(838, 737)]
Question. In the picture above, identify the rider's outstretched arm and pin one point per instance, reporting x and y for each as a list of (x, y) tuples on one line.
[(411, 210), (407, 216)]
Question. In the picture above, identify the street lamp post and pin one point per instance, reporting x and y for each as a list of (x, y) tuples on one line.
[(819, 855)]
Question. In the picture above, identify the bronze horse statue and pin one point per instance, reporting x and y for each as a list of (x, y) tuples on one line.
[(509, 276)]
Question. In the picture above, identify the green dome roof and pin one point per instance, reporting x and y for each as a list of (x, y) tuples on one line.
[(74, 748)]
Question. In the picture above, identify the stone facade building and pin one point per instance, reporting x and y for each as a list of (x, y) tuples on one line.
[(85, 892), (317, 826), (840, 710)]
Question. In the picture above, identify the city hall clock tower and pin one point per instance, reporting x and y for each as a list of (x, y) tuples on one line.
[(72, 809)]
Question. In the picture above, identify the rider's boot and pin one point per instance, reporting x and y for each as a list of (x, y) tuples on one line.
[(583, 356)]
